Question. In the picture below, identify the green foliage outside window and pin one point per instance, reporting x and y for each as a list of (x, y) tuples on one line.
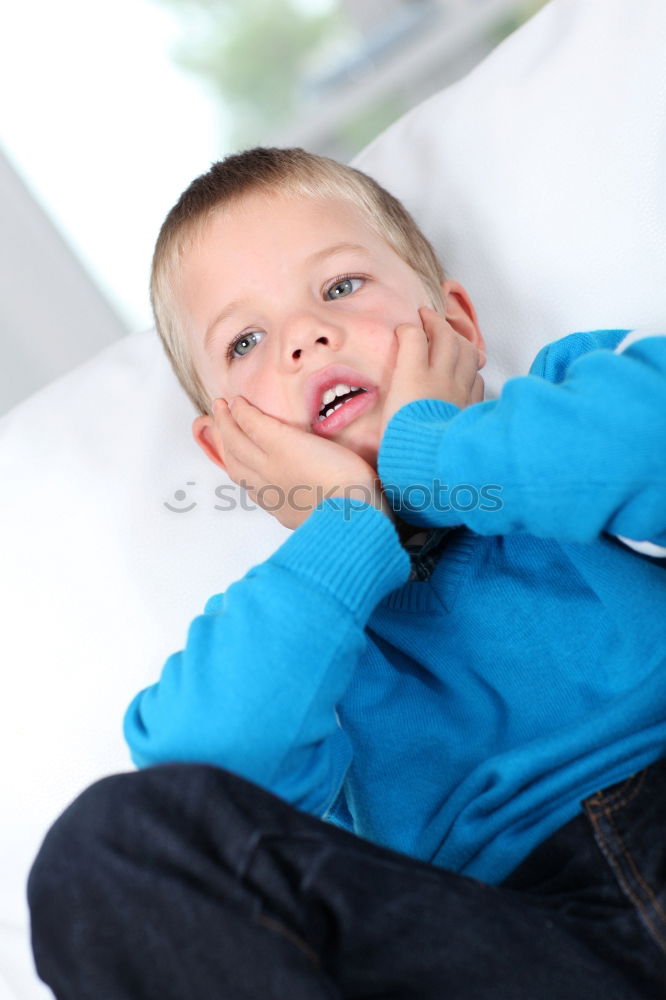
[(254, 54), (257, 54)]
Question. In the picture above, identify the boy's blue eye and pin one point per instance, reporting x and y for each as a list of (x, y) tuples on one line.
[(244, 344), (343, 287)]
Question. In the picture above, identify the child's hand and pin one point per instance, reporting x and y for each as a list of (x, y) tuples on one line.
[(433, 362), (289, 471)]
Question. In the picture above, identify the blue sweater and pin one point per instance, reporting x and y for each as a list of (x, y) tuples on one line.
[(460, 719)]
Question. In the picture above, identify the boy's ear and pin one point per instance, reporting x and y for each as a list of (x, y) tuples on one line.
[(460, 313), (204, 433)]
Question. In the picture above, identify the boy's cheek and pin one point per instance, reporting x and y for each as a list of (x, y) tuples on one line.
[(279, 410)]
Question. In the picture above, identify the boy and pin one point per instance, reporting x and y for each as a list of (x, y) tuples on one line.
[(461, 708)]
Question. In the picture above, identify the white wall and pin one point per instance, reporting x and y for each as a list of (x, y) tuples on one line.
[(52, 316)]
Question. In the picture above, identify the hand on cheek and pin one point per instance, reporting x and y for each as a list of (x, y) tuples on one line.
[(433, 362), (286, 470)]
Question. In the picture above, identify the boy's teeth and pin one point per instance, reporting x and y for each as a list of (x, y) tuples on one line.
[(329, 397), (339, 390), (329, 410)]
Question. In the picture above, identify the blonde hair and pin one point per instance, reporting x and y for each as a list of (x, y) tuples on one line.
[(291, 171)]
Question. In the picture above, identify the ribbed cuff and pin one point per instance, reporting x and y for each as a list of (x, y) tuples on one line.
[(409, 455), (352, 550)]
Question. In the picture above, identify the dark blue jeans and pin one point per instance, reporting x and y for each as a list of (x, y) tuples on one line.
[(184, 882)]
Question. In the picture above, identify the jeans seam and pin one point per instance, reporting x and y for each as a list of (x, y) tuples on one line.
[(271, 923), (623, 796), (621, 860), (659, 915)]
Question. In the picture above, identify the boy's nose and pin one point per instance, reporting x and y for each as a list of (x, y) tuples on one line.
[(297, 351), (309, 334)]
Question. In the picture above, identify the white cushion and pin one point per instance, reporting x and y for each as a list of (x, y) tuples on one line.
[(539, 178)]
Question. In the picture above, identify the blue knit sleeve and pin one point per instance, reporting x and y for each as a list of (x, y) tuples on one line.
[(256, 686), (574, 449)]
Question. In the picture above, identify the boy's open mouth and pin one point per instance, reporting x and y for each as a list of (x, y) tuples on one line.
[(336, 395), (344, 409), (333, 399)]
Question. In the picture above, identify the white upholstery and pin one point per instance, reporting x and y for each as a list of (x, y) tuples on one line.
[(540, 177)]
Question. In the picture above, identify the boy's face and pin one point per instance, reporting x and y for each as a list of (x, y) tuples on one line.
[(286, 298)]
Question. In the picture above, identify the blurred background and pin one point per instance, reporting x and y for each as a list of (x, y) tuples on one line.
[(109, 109)]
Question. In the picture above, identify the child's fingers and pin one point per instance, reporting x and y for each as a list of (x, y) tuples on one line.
[(441, 334), (466, 358), (434, 324), (445, 343), (413, 347), (478, 390), (449, 348), (431, 319), (259, 427), (235, 441)]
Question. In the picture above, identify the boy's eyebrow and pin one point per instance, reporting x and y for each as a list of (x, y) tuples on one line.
[(210, 332), (331, 251), (336, 248)]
